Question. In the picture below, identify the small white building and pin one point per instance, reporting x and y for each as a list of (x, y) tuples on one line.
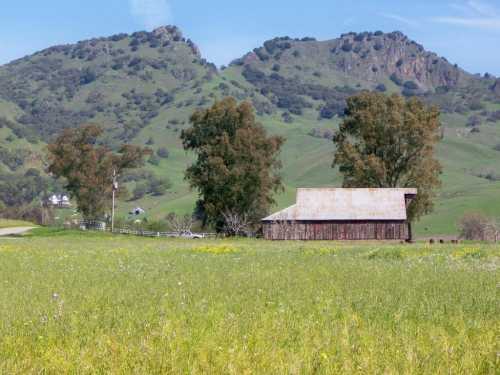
[(59, 200)]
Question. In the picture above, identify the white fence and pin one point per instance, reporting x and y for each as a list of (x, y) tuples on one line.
[(145, 233), (101, 227)]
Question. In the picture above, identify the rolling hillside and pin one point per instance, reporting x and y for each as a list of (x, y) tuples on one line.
[(143, 87)]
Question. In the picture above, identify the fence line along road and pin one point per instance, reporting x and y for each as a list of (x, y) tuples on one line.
[(145, 233), (101, 227)]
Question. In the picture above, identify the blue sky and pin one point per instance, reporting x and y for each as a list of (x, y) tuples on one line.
[(466, 32)]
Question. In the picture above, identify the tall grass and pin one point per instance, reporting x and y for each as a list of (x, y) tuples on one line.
[(71, 304)]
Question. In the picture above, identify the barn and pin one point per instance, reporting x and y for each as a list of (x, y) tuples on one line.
[(343, 214)]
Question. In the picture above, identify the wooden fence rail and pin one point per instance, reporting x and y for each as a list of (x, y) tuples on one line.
[(101, 227), (145, 233)]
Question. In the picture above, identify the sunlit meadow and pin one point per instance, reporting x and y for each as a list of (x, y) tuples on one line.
[(76, 303)]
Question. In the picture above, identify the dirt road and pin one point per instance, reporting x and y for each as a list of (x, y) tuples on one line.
[(14, 231)]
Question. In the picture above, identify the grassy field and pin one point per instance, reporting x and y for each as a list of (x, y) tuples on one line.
[(71, 303)]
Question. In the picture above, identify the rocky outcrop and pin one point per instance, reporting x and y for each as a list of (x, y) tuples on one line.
[(368, 57), (374, 56)]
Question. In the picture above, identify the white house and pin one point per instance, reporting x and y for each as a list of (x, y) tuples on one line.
[(59, 200)]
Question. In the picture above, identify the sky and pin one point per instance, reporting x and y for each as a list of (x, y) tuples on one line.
[(466, 32)]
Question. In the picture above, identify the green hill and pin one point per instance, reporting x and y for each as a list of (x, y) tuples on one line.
[(143, 87)]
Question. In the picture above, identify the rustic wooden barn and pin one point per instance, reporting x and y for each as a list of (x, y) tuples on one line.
[(343, 214)]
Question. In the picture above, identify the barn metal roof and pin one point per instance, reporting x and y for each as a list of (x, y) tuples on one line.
[(335, 204)]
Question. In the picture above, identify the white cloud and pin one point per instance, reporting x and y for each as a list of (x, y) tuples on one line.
[(400, 19), (473, 14), (482, 9), (479, 23), (151, 13)]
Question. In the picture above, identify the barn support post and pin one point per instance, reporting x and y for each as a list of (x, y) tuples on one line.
[(410, 233)]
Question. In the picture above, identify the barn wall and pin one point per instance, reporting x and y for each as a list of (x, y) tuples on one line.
[(336, 230)]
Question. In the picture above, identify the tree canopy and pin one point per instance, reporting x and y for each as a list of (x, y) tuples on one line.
[(237, 163), (88, 167), (388, 142)]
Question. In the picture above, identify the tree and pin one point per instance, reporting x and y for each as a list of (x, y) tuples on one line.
[(20, 190), (237, 162), (388, 142), (88, 167)]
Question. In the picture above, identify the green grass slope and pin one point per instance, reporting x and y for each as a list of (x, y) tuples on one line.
[(143, 87)]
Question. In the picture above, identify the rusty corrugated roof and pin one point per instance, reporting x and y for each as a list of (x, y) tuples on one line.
[(346, 204)]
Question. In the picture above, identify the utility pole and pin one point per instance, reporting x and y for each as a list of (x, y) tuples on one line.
[(115, 188)]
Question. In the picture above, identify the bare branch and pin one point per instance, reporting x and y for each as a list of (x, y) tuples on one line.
[(180, 224), (236, 224)]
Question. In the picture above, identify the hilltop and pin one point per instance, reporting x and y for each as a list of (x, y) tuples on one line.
[(142, 88)]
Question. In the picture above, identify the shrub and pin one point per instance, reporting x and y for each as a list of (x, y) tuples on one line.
[(477, 227), (489, 175), (139, 191), (154, 160), (408, 92), (359, 37), (473, 121), (381, 88), (287, 117), (159, 186), (88, 76), (347, 46), (328, 134), (163, 152), (476, 105), (410, 85), (332, 108), (394, 78)]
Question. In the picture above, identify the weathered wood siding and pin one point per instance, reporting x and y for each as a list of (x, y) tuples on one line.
[(337, 230)]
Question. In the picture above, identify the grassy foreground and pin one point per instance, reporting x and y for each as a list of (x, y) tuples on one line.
[(102, 304)]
